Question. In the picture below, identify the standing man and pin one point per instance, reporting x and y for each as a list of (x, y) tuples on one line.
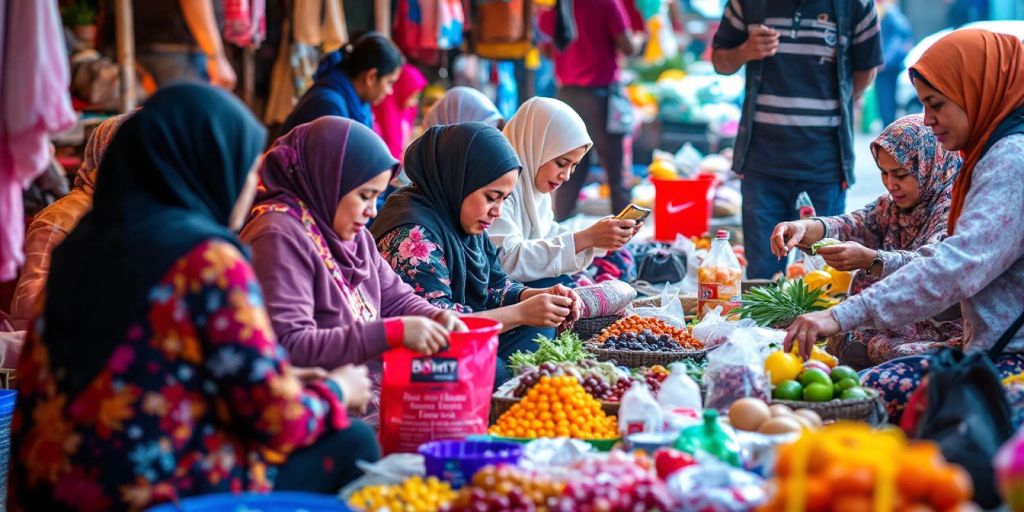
[(806, 61), (587, 75)]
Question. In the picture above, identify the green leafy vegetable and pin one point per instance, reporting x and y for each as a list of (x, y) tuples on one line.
[(567, 347), (824, 242)]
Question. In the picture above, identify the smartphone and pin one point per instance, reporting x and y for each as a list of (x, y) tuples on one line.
[(634, 212)]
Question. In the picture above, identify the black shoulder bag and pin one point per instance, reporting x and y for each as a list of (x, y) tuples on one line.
[(967, 412)]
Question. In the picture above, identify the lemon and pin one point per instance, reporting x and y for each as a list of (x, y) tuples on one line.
[(840, 280), (782, 366), (662, 170)]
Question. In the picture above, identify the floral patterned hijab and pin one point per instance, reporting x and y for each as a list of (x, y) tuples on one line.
[(915, 147)]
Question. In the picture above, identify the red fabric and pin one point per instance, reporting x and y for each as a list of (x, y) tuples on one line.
[(394, 332), (592, 59), (393, 121)]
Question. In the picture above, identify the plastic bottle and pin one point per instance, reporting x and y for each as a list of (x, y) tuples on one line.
[(710, 437), (639, 411), (718, 278)]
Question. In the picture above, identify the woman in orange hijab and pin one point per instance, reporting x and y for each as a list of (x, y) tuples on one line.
[(971, 83)]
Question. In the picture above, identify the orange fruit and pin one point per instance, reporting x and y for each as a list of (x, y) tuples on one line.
[(851, 479), (819, 494), (853, 503), (951, 486), (917, 466)]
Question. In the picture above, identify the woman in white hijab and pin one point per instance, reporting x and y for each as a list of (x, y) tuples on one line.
[(461, 105), (551, 139)]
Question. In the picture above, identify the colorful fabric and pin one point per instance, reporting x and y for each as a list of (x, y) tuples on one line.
[(393, 117), (51, 226), (530, 243), (34, 78), (463, 104), (898, 379), (446, 165), (420, 260), (176, 167), (196, 398), (319, 163), (983, 73)]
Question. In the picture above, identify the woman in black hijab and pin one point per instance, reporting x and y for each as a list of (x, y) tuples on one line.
[(433, 234), (151, 373)]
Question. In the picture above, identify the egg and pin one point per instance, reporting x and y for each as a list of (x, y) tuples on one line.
[(804, 421), (810, 415), (748, 414), (779, 410), (780, 425)]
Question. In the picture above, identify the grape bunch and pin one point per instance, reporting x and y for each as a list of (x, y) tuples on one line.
[(531, 377), (617, 483), (643, 341), (654, 380), (597, 387), (620, 388)]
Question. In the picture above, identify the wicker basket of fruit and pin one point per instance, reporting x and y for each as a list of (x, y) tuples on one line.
[(587, 328), (636, 341), (833, 393)]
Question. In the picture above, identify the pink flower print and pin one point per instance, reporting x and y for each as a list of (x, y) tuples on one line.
[(121, 359), (415, 249)]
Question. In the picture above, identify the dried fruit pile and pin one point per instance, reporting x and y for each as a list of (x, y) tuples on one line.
[(644, 332)]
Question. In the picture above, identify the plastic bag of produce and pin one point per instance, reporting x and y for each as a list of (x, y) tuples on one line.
[(605, 299), (714, 486), (736, 370), (443, 396)]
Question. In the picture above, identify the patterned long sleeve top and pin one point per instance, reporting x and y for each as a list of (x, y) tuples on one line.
[(981, 265), (199, 398), (418, 259)]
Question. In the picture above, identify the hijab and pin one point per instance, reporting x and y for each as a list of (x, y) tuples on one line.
[(168, 182), (446, 165), (543, 129), (95, 147), (915, 148), (460, 105), (983, 73), (394, 121), (319, 163)]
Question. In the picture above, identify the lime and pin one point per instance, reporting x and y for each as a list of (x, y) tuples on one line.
[(788, 390), (845, 384), (814, 375), (844, 372), (782, 366), (818, 392), (855, 393)]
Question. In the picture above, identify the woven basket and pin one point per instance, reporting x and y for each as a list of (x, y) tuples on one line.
[(868, 410), (587, 328), (501, 404), (640, 358)]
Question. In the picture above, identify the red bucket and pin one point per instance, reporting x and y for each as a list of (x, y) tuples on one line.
[(683, 207)]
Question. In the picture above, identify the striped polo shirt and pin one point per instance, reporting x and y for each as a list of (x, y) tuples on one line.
[(795, 131)]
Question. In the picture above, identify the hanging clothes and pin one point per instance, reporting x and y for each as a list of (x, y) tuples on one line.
[(34, 102), (245, 22)]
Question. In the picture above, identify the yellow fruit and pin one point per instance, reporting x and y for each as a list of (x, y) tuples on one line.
[(782, 366), (818, 354), (840, 280), (818, 279), (662, 169)]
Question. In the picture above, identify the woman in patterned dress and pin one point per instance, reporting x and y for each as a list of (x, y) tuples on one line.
[(151, 373), (971, 83), (886, 234), (332, 299), (433, 234)]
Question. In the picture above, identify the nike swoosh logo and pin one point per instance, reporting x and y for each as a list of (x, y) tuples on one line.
[(674, 209)]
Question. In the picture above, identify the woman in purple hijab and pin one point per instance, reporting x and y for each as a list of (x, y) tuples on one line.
[(332, 299)]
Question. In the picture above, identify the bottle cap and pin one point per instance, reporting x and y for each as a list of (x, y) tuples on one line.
[(722, 234)]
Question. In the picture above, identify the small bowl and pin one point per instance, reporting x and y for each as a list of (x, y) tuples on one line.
[(457, 461)]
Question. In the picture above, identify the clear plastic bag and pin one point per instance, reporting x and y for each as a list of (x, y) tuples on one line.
[(671, 309), (736, 370)]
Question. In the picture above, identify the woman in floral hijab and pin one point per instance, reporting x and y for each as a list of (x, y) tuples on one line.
[(884, 235)]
